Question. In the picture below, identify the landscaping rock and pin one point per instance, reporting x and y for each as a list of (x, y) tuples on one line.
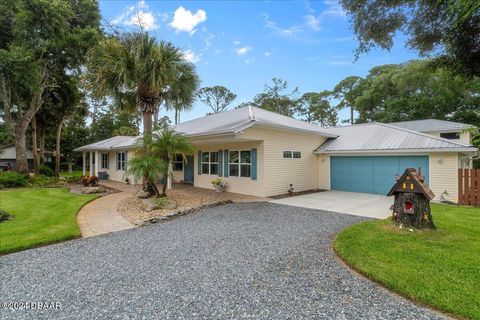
[(93, 190), (149, 205), (142, 194)]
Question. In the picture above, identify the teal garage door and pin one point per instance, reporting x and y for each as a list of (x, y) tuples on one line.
[(372, 174)]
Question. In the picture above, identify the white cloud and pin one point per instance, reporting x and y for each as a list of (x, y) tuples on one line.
[(281, 31), (137, 15), (312, 22), (243, 50), (185, 21), (191, 56), (268, 54), (334, 9), (248, 61), (208, 40), (236, 42)]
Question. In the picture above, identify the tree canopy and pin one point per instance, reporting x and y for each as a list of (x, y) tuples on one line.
[(217, 97), (446, 28)]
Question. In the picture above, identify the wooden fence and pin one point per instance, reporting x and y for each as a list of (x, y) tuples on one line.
[(469, 187)]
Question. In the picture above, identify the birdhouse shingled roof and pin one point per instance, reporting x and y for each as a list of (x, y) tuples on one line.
[(411, 175)]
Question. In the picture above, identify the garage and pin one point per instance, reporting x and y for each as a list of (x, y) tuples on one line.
[(372, 174)]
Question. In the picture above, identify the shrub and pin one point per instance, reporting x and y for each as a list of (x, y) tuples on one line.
[(41, 181), (4, 215), (11, 179), (91, 181), (46, 171)]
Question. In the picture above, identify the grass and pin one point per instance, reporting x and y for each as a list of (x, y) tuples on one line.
[(41, 216), (438, 268)]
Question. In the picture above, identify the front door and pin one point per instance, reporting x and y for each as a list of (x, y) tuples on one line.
[(188, 172)]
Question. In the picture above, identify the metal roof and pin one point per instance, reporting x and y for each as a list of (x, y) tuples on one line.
[(380, 137), (117, 142), (236, 120), (430, 125)]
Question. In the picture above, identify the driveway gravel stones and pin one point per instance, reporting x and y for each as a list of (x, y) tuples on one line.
[(248, 260)]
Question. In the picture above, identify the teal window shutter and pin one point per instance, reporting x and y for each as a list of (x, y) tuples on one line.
[(254, 164), (220, 161), (225, 161), (199, 163)]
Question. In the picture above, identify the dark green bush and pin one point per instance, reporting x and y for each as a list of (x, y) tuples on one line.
[(11, 179), (43, 181), (46, 171), (4, 215)]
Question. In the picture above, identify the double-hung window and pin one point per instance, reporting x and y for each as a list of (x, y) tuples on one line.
[(210, 163), (178, 163), (240, 163), (292, 154), (104, 162), (121, 161)]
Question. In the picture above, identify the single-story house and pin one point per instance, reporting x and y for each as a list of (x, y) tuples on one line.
[(263, 153), (8, 157)]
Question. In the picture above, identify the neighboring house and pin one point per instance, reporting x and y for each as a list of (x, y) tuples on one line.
[(264, 154), (8, 157)]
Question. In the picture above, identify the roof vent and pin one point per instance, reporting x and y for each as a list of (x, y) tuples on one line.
[(250, 113)]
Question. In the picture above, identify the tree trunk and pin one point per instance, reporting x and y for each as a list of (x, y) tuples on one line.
[(41, 141), (164, 186), (147, 123), (21, 150), (351, 115), (176, 116), (36, 159), (70, 165), (58, 141), (421, 218)]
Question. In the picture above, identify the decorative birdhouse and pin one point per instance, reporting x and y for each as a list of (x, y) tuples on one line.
[(411, 207)]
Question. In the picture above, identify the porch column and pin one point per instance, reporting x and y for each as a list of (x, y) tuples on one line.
[(96, 163), (84, 163), (90, 167)]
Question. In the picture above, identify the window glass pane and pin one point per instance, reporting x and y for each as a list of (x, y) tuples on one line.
[(213, 168), (245, 157), (245, 170), (177, 166), (297, 154), (450, 135), (234, 170), (205, 168), (287, 154), (178, 158), (233, 157), (213, 156), (205, 157)]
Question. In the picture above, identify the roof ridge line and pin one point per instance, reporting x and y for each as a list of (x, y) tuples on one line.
[(423, 134)]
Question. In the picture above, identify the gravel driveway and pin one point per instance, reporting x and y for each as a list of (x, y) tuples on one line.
[(249, 260)]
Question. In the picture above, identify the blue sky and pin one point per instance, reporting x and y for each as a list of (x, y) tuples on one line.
[(244, 44)]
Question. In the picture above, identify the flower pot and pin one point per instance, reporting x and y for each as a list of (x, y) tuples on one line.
[(219, 188)]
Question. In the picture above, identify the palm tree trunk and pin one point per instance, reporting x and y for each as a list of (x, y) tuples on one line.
[(176, 115), (351, 115), (147, 123)]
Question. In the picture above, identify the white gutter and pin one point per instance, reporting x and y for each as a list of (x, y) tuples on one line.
[(472, 150)]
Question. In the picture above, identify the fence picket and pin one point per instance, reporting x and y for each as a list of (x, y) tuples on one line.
[(469, 187)]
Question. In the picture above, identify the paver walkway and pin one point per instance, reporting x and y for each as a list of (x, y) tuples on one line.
[(237, 261), (100, 216)]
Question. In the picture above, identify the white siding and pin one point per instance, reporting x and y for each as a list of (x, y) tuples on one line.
[(234, 184), (324, 172), (465, 137), (444, 175)]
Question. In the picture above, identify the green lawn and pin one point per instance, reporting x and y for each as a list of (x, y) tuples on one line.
[(41, 216), (438, 268)]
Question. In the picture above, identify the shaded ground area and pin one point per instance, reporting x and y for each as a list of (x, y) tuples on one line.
[(257, 260)]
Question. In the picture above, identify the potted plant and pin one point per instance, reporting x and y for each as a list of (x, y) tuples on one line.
[(218, 184)]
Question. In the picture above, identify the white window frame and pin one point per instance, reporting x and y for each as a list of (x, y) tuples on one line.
[(104, 161), (240, 163), (291, 154), (209, 162), (121, 161)]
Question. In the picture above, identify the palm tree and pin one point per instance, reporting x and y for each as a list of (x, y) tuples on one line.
[(147, 167), (136, 71), (182, 93), (166, 145)]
